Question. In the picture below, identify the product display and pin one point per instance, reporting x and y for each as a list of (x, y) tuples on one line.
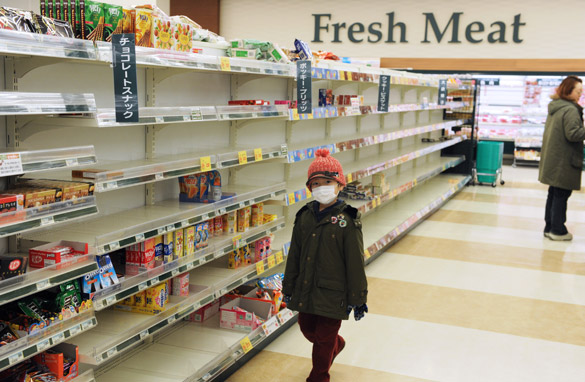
[(12, 265), (151, 301), (201, 188), (56, 253)]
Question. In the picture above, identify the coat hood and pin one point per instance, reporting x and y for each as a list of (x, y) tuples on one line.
[(559, 104)]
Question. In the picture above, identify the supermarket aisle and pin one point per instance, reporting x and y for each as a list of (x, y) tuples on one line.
[(475, 293)]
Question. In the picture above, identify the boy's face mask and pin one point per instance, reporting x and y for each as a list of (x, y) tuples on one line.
[(325, 194)]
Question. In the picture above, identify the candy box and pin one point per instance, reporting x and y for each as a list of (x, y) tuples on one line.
[(178, 240), (218, 222), (156, 297), (62, 361), (168, 247), (163, 33), (234, 259), (158, 251), (194, 188), (140, 299), (245, 255), (257, 215), (90, 284), (12, 265), (259, 250), (132, 261), (107, 273), (114, 21), (204, 234), (56, 252), (214, 182), (180, 285), (94, 20), (206, 312), (189, 236), (129, 20), (229, 222), (244, 314), (183, 37), (143, 26), (11, 202)]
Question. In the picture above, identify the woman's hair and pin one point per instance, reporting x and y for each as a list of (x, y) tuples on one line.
[(566, 88)]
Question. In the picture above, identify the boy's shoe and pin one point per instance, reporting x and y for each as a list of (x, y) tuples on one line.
[(547, 234), (566, 237)]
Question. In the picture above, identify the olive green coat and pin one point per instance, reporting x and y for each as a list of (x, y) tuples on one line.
[(561, 160), (325, 266)]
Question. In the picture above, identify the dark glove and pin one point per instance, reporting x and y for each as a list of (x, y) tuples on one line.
[(358, 311), (287, 299)]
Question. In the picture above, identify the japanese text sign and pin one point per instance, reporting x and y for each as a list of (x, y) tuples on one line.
[(125, 86)]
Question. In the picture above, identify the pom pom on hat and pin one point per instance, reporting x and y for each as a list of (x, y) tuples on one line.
[(325, 166)]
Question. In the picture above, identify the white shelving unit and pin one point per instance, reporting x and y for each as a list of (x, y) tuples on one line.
[(136, 188)]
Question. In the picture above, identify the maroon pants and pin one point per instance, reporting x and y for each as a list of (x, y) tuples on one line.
[(322, 333)]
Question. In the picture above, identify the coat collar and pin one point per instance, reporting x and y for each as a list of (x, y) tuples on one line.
[(335, 210)]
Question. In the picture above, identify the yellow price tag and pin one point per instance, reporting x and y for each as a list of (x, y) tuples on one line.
[(310, 116), (296, 114), (271, 261), (206, 164), (237, 241), (279, 257), (258, 155), (246, 345), (243, 157), (367, 254), (374, 203), (291, 198), (414, 182), (378, 200), (225, 64), (349, 76), (349, 177), (309, 193), (260, 267)]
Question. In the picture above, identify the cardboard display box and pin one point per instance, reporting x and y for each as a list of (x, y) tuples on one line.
[(56, 252), (55, 361), (256, 313)]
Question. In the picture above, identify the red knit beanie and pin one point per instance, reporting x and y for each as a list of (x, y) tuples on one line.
[(325, 166)]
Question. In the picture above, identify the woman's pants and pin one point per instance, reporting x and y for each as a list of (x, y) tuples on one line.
[(556, 210)]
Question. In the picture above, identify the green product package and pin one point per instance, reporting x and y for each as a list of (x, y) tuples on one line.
[(94, 21), (114, 21), (57, 10), (79, 19), (50, 9)]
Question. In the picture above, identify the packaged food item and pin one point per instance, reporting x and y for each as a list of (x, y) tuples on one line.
[(14, 19), (180, 19), (253, 54), (107, 273), (178, 243), (163, 33), (156, 297), (168, 247), (244, 102), (211, 229), (11, 203), (214, 182), (198, 236), (218, 221), (114, 21), (183, 37), (277, 55), (245, 255), (259, 250), (234, 259), (146, 252), (56, 252), (94, 20), (61, 360), (204, 234), (91, 284), (189, 236), (303, 50), (143, 27), (80, 19), (140, 299), (206, 312), (12, 265), (181, 285), (158, 251), (129, 20), (229, 222)]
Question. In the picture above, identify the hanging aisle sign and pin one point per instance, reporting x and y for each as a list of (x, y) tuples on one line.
[(304, 88), (383, 93), (442, 92), (125, 86)]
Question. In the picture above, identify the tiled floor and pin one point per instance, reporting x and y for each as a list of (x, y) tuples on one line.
[(475, 293)]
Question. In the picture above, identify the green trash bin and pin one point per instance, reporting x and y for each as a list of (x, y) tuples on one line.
[(490, 156)]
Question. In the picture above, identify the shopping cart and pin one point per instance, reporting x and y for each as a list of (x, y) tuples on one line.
[(488, 169)]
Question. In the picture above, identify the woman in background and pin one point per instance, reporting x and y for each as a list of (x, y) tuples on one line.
[(561, 160)]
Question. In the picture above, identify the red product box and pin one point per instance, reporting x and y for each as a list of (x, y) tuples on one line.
[(11, 208), (244, 314), (260, 102), (55, 253), (180, 285), (206, 312), (56, 360)]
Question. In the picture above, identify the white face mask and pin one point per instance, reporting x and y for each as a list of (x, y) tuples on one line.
[(325, 194)]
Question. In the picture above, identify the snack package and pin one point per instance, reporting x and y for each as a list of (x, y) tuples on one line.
[(181, 285), (140, 299), (234, 260), (14, 19), (243, 220), (129, 20), (214, 182), (303, 50), (168, 247), (94, 20), (12, 265), (245, 255), (156, 297), (158, 251), (218, 221), (163, 33), (229, 222), (79, 28), (107, 273), (198, 236), (211, 229), (257, 215), (259, 250), (90, 284), (277, 55), (114, 21), (178, 242), (183, 37), (132, 261), (143, 27), (146, 252), (189, 236), (204, 234)]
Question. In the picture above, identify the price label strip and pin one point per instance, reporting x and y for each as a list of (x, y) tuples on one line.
[(225, 64), (270, 326), (246, 345), (11, 164), (260, 267), (205, 163), (271, 261), (279, 257)]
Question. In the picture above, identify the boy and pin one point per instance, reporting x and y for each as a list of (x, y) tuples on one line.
[(325, 277)]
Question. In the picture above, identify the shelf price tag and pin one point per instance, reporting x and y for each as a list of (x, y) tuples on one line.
[(367, 254), (142, 286), (58, 338), (139, 237), (47, 220), (159, 119), (42, 284), (258, 155), (170, 228), (159, 176), (291, 198), (15, 358), (279, 257), (171, 319), (43, 345), (174, 272), (205, 163), (72, 162), (242, 157), (271, 261), (196, 114), (86, 325), (75, 330), (349, 177), (246, 345), (225, 64), (260, 267), (237, 242), (143, 334), (10, 164), (270, 326)]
